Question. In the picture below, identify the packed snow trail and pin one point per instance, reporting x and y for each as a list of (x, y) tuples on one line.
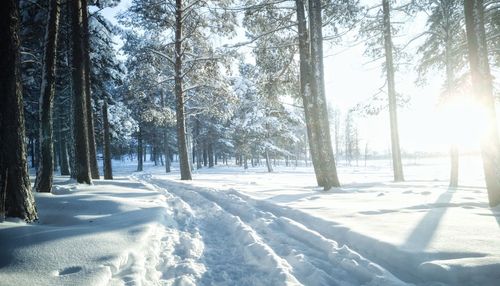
[(218, 238)]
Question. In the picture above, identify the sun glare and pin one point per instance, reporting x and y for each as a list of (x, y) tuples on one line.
[(463, 122)]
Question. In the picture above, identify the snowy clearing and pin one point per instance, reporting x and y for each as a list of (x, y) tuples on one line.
[(229, 227)]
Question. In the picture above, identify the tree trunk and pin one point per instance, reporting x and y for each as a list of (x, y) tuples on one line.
[(167, 151), (454, 166), (80, 130), (214, 152), (328, 169), (179, 95), (32, 151), (483, 91), (450, 75), (3, 189), (108, 172), (45, 172), (305, 89), (64, 156), (197, 143), (14, 183), (94, 170), (139, 150), (154, 152), (268, 162), (210, 152), (397, 164), (205, 155)]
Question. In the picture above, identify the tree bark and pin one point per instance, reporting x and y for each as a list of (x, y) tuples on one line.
[(45, 172), (450, 75), (108, 171), (454, 166), (205, 154), (94, 170), (179, 95), (268, 162), (167, 151), (139, 150), (166, 147), (64, 156), (483, 91), (397, 164), (210, 155), (328, 169), (15, 183), (82, 165)]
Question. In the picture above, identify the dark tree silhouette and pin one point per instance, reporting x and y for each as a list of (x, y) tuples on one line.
[(17, 198)]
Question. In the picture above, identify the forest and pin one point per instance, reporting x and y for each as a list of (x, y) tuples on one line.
[(217, 89)]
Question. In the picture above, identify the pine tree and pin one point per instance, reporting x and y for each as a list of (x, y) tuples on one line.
[(187, 52), (108, 172), (17, 198), (483, 91), (443, 47), (328, 169), (80, 132), (44, 177), (397, 164), (94, 170)]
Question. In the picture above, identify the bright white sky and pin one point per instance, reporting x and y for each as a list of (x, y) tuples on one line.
[(349, 81)]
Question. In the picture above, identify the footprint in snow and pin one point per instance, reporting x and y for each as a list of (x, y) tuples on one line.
[(69, 270)]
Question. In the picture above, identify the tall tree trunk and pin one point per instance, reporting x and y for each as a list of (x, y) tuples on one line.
[(305, 89), (57, 154), (197, 143), (328, 169), (108, 172), (450, 75), (216, 154), (14, 183), (64, 156), (32, 151), (167, 150), (82, 165), (205, 154), (397, 164), (268, 162), (68, 126), (483, 91), (94, 170), (140, 149), (210, 155), (454, 166), (179, 95), (3, 188), (45, 172)]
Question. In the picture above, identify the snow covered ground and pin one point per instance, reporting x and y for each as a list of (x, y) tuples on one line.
[(234, 227)]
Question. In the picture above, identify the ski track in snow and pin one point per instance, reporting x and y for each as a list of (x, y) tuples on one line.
[(221, 238)]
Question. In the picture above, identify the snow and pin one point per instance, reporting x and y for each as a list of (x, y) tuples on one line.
[(234, 227)]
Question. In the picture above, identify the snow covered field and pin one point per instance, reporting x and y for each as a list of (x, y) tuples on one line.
[(234, 227)]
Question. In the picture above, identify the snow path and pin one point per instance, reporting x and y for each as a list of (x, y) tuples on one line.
[(221, 238)]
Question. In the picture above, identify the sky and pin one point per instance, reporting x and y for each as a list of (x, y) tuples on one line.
[(351, 78)]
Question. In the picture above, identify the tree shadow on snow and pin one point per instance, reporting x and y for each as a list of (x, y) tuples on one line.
[(64, 217), (424, 231)]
